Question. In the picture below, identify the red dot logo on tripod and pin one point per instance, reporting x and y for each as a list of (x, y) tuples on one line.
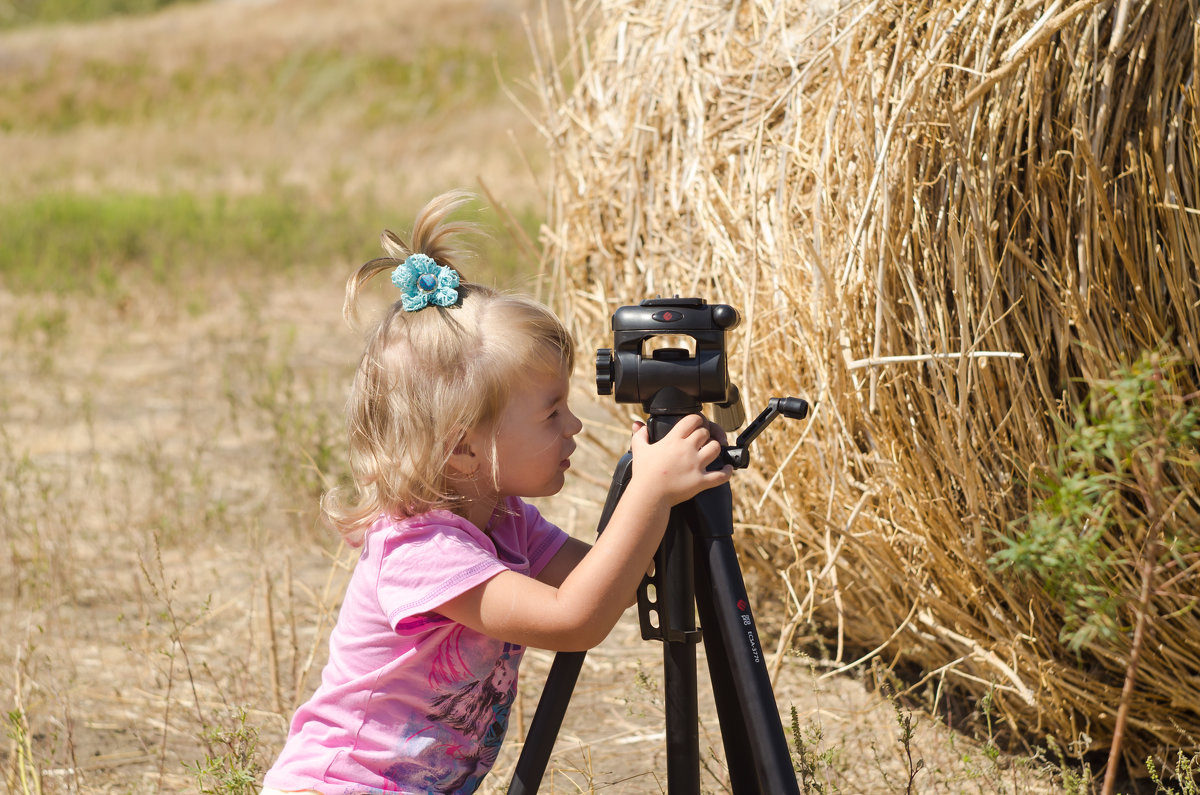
[(741, 605)]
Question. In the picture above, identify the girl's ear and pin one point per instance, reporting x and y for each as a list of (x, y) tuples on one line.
[(465, 458)]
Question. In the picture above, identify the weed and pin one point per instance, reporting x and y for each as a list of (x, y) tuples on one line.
[(1187, 768), (644, 680), (40, 332), (40, 327), (118, 244), (26, 491), (812, 763), (887, 682), (164, 591), (1073, 771), (23, 776), (1128, 433), (1104, 531), (232, 766), (286, 88), (990, 749), (308, 435), (904, 719)]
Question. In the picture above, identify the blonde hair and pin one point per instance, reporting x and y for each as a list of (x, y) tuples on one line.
[(429, 376)]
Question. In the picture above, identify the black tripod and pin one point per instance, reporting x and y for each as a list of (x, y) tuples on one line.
[(695, 565)]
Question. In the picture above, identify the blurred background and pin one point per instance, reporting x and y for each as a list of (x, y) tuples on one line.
[(184, 188)]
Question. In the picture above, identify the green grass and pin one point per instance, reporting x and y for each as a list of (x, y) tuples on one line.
[(110, 243), (71, 243), (22, 13)]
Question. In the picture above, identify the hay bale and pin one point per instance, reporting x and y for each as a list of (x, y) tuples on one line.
[(943, 223)]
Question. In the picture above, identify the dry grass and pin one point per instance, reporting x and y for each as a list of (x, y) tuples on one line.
[(199, 98), (945, 223)]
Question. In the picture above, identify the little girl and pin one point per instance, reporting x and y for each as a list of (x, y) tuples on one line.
[(457, 413)]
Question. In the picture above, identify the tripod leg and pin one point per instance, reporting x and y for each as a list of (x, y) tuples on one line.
[(679, 661), (547, 720), (735, 734), (741, 662)]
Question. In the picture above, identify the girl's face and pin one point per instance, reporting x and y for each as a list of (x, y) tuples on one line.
[(534, 438)]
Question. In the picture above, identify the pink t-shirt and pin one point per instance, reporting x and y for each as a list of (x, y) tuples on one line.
[(410, 701)]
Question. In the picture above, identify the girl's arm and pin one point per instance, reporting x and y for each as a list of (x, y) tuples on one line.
[(579, 613), (564, 562)]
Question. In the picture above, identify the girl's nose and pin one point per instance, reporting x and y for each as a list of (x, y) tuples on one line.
[(575, 425)]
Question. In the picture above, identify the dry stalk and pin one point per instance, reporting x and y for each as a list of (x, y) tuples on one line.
[(293, 639), (272, 643), (24, 768)]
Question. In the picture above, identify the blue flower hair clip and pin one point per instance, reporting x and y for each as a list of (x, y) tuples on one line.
[(423, 282)]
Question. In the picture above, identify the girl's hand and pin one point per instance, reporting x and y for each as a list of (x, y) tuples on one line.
[(676, 465)]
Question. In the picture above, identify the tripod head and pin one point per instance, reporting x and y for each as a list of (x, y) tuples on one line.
[(674, 381), (670, 380)]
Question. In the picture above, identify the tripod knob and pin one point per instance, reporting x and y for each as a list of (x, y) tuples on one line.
[(604, 373), (791, 407)]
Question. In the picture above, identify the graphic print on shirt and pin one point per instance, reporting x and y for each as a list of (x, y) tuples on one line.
[(474, 707)]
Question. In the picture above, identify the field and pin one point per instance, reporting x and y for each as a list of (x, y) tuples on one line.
[(182, 197)]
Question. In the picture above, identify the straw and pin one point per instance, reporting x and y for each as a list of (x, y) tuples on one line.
[(942, 222)]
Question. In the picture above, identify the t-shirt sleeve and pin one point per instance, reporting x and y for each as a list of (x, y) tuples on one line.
[(427, 566), (543, 539)]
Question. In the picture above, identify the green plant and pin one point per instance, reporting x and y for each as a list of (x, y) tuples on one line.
[(908, 727), (812, 763), (22, 776), (1099, 538), (1186, 770), (1110, 480), (1074, 772), (232, 766)]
